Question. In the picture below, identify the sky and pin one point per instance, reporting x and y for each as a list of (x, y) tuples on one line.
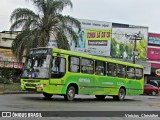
[(134, 12)]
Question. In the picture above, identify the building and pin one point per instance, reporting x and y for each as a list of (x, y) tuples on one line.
[(153, 55), (7, 59)]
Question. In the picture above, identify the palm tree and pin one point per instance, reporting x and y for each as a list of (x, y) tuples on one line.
[(36, 28)]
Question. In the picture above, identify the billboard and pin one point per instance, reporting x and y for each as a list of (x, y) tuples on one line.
[(7, 55), (94, 38), (154, 38), (153, 55), (107, 39), (123, 42), (8, 64)]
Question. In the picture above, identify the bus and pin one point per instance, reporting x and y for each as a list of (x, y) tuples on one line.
[(54, 71)]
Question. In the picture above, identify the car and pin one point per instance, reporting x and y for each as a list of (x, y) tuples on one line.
[(150, 89)]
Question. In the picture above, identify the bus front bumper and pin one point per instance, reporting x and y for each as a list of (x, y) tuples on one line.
[(32, 87)]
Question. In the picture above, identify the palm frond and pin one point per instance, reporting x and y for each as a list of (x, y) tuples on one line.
[(37, 27), (62, 41), (22, 13), (17, 24)]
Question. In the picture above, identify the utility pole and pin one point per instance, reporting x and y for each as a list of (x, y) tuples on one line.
[(135, 37), (134, 52)]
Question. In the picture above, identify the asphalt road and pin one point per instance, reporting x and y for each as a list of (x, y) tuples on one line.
[(36, 102)]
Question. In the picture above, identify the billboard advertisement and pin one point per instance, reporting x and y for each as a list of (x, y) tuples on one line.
[(94, 38), (123, 43), (153, 55), (8, 64), (7, 55), (154, 38)]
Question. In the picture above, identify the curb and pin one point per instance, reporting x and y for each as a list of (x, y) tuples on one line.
[(17, 92)]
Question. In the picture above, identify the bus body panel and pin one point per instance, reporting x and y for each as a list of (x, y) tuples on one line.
[(87, 83)]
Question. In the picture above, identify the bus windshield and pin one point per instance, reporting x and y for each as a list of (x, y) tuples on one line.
[(37, 66)]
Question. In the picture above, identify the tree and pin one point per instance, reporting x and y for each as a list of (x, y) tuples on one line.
[(141, 47), (36, 28)]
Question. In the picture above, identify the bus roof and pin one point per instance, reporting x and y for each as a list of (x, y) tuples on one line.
[(61, 51)]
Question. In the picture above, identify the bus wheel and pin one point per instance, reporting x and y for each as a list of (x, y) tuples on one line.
[(121, 95), (100, 97), (70, 94), (47, 95)]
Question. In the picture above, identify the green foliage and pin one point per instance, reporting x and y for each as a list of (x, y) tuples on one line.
[(141, 47), (114, 48), (121, 50), (1, 79), (6, 75), (37, 27)]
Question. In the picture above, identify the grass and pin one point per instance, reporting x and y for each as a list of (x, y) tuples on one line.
[(9, 87)]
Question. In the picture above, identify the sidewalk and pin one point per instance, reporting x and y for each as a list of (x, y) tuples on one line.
[(13, 88), (18, 92)]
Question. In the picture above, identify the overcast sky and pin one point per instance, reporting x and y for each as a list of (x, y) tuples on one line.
[(134, 12)]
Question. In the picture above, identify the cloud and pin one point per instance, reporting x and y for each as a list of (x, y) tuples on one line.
[(134, 12), (7, 7)]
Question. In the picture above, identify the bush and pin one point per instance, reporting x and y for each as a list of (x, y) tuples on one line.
[(6, 75), (5, 81), (1, 80)]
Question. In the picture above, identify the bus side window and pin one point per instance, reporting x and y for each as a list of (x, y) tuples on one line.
[(87, 66), (112, 69), (74, 64), (62, 66), (55, 68), (121, 71), (139, 73), (99, 68), (131, 72), (58, 68)]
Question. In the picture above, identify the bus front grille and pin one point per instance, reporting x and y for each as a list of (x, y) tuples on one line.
[(31, 85), (30, 89)]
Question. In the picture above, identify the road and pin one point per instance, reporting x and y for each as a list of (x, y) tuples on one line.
[(36, 102)]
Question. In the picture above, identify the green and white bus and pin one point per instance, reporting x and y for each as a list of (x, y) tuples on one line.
[(54, 71)]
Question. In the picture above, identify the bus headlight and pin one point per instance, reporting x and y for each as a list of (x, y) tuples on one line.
[(41, 85), (22, 84)]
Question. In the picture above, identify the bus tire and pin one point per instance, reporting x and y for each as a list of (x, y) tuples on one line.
[(47, 95), (100, 97), (70, 94), (121, 95)]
